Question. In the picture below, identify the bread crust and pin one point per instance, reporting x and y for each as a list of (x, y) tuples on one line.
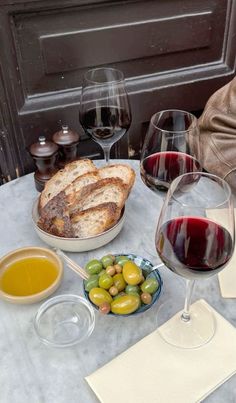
[(55, 217), (122, 171), (63, 178)]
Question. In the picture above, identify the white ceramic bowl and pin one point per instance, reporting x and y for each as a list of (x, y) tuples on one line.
[(77, 244)]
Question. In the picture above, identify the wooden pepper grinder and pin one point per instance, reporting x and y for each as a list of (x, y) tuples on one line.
[(67, 141), (44, 154)]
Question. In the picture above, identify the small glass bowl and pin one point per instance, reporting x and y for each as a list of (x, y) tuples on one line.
[(64, 321)]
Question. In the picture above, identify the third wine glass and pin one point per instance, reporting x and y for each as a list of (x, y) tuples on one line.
[(104, 108), (170, 149)]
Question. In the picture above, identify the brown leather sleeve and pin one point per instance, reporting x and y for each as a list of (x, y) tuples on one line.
[(218, 134)]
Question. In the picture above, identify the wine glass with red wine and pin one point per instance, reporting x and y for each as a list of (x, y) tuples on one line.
[(194, 246), (104, 108), (170, 149)]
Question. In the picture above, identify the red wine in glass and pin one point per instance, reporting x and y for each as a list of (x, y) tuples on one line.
[(170, 148), (158, 170), (105, 123), (194, 247)]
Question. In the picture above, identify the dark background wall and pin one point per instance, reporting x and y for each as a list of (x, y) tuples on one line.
[(174, 54)]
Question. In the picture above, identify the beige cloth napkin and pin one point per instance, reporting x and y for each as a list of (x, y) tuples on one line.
[(227, 277), (156, 372)]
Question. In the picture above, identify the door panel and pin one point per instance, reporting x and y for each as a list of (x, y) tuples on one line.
[(174, 53)]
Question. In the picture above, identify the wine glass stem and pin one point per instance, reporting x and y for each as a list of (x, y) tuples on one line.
[(189, 290), (106, 150)]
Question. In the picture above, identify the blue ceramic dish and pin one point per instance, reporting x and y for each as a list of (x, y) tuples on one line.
[(147, 268)]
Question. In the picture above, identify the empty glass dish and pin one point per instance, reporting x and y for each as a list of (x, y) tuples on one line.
[(64, 320)]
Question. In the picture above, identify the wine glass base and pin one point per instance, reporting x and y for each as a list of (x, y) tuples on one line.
[(194, 333)]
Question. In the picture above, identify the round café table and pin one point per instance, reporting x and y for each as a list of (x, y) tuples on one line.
[(31, 372)]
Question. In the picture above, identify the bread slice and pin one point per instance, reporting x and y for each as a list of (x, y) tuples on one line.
[(55, 217), (103, 191), (122, 171), (95, 220), (63, 178), (73, 191)]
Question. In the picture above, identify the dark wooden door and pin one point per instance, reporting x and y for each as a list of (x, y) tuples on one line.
[(174, 54)]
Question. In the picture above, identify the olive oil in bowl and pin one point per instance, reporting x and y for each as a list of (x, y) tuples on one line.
[(29, 274)]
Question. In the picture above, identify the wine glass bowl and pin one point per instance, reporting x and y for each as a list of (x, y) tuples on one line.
[(195, 246), (104, 108), (170, 149)]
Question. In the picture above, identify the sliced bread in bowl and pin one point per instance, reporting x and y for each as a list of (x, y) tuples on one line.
[(82, 200)]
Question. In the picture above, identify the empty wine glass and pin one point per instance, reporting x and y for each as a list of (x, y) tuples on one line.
[(104, 108), (170, 149), (195, 247)]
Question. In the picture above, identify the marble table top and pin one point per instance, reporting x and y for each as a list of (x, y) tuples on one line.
[(31, 372)]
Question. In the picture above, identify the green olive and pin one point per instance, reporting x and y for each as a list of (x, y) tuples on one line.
[(98, 296), (107, 261), (101, 272), (121, 260), (150, 285), (94, 266), (132, 289), (120, 294), (132, 273), (91, 282), (105, 281), (119, 281), (125, 304)]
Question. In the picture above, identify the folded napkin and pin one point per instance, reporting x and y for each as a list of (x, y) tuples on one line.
[(227, 277), (154, 371)]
